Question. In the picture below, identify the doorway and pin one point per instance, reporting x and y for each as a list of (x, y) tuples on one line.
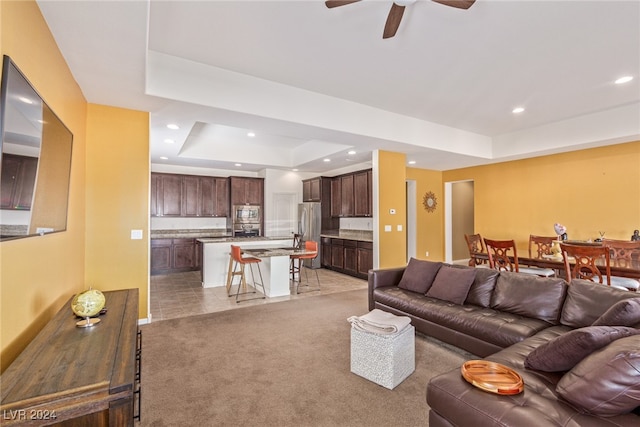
[(459, 219)]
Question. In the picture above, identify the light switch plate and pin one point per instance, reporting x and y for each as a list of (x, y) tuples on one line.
[(136, 234), (387, 228)]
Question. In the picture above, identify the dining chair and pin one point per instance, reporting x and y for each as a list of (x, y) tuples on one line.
[(311, 247), (624, 254), (540, 245), (476, 246), (240, 261), (585, 262), (499, 258)]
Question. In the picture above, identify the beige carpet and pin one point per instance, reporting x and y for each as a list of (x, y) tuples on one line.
[(280, 364)]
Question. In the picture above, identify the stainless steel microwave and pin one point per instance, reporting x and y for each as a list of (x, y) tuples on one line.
[(243, 214)]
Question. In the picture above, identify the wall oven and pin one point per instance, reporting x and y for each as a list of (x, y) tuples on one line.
[(246, 230)]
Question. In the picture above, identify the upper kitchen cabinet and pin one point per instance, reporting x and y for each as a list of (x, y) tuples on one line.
[(214, 196), (166, 195), (311, 190), (189, 195), (351, 195), (362, 184), (246, 191)]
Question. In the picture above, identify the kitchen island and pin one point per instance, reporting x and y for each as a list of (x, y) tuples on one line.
[(274, 265)]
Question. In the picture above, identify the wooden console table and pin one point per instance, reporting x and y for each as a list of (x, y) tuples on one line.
[(70, 376)]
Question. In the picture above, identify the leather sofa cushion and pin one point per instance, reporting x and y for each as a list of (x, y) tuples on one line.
[(419, 274), (607, 382), (622, 313), (482, 287), (564, 352), (462, 404), (452, 284), (495, 327), (587, 301), (530, 296)]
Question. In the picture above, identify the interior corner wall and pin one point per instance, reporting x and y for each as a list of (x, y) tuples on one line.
[(118, 171), (39, 274), (429, 227), (590, 190), (392, 245)]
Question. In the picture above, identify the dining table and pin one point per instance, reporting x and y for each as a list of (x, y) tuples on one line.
[(557, 264)]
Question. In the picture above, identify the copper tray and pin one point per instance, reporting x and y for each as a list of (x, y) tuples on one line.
[(492, 377)]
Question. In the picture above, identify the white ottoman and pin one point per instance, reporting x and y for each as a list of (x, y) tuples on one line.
[(384, 359)]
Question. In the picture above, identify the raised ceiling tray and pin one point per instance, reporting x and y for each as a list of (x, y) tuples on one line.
[(492, 377)]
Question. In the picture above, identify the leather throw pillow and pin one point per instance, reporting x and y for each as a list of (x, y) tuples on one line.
[(452, 284), (564, 352), (622, 313), (419, 275)]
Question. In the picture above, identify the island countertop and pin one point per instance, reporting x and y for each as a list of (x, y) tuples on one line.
[(240, 240), (190, 233)]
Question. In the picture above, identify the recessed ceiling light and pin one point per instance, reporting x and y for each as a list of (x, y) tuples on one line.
[(173, 126), (517, 110), (164, 158), (169, 141), (251, 134), (238, 164), (295, 170), (351, 152), (25, 100), (412, 162), (326, 160), (625, 79)]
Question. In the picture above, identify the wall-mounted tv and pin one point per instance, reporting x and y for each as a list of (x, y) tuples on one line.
[(36, 160)]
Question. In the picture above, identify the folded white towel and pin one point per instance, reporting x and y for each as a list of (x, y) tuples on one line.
[(380, 322)]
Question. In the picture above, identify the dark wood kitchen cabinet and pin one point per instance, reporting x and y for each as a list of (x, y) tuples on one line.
[(351, 195), (214, 197), (362, 204), (311, 190), (352, 257), (166, 195), (174, 255), (365, 259), (246, 191), (189, 195), (18, 180)]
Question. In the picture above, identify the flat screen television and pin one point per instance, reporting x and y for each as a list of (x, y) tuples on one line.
[(36, 160)]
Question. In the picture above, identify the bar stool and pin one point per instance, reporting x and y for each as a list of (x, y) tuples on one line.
[(236, 260), (312, 247), (294, 267)]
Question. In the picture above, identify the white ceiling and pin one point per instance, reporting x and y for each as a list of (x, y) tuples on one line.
[(314, 83)]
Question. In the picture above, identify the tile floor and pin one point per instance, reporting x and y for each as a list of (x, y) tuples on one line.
[(181, 294)]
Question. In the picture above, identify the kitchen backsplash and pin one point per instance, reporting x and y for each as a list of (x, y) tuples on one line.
[(356, 223), (176, 223)]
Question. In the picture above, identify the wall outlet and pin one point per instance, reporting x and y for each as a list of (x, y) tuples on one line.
[(399, 227), (426, 253)]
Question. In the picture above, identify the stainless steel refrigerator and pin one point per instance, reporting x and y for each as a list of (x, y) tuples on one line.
[(309, 224)]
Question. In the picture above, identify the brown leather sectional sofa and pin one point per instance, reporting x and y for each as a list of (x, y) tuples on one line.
[(504, 317)]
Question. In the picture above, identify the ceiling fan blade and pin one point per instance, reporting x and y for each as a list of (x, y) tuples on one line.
[(393, 21), (460, 4), (335, 3)]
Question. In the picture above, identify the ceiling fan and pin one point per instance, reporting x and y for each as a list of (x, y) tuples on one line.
[(397, 9)]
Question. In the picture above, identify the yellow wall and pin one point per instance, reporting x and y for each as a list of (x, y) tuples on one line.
[(39, 274), (117, 200), (108, 197), (392, 195), (429, 225), (587, 191)]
